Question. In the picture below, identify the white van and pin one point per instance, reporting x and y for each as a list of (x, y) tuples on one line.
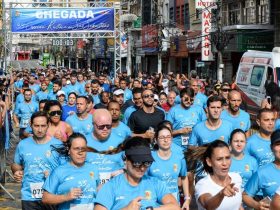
[(255, 68)]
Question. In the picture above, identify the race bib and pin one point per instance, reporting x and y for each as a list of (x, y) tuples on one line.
[(88, 206), (24, 123), (185, 139), (36, 189), (104, 177)]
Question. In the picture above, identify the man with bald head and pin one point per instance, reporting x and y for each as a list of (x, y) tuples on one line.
[(238, 117), (102, 139)]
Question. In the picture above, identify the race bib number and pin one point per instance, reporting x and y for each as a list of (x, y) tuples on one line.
[(36, 190), (88, 206), (185, 140), (24, 123), (104, 177)]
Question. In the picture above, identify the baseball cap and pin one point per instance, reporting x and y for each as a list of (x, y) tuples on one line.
[(145, 82), (60, 92), (275, 137), (118, 92), (139, 154)]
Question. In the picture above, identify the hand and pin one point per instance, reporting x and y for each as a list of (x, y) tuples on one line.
[(46, 173), (186, 205), (186, 130), (149, 134), (17, 125), (74, 193), (264, 205), (18, 175), (229, 190), (134, 204), (58, 135)]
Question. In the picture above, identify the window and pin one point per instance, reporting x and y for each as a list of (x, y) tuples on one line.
[(171, 13), (257, 75), (250, 12), (186, 17), (234, 13), (263, 12), (197, 14)]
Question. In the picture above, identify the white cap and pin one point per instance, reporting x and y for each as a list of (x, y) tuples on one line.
[(60, 92), (118, 92)]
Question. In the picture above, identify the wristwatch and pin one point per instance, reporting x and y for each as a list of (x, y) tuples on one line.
[(149, 208)]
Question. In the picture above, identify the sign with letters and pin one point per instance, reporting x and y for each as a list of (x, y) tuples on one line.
[(206, 6), (57, 20)]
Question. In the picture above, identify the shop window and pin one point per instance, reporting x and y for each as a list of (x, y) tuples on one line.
[(257, 75)]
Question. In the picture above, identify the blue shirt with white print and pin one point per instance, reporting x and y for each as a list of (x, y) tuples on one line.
[(68, 176)]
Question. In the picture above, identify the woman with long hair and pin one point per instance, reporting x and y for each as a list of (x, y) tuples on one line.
[(133, 189), (74, 184), (57, 128), (241, 162), (169, 166), (219, 189)]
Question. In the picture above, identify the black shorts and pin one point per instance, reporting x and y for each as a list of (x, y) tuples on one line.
[(36, 205)]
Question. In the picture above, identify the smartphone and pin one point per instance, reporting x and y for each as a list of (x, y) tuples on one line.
[(268, 98), (267, 200)]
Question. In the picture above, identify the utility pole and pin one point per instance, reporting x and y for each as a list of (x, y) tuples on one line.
[(159, 23)]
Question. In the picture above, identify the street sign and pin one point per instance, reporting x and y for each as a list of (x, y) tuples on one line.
[(62, 42)]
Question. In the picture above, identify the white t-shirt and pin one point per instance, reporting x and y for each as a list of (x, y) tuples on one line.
[(207, 185)]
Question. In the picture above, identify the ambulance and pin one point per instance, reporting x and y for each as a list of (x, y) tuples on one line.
[(255, 69)]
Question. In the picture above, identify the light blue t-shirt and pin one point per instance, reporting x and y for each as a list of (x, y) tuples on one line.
[(42, 95), (245, 167), (20, 99), (242, 121), (127, 114), (106, 164), (52, 96), (127, 94), (35, 159), (181, 117), (96, 99), (277, 124), (168, 171), (118, 193), (24, 111), (122, 131), (266, 179), (83, 126), (201, 100), (201, 134), (66, 177), (260, 149), (74, 88), (35, 87)]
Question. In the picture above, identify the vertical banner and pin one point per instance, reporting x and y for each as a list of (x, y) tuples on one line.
[(206, 6)]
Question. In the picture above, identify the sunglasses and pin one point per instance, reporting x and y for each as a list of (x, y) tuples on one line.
[(187, 99), (102, 127), (226, 90), (53, 113), (148, 96), (142, 164)]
